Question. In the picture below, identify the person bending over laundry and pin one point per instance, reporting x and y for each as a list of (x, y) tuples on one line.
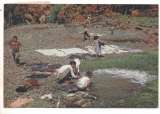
[(98, 46), (68, 72), (15, 46)]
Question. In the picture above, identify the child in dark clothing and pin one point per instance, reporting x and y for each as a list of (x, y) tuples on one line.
[(86, 35)]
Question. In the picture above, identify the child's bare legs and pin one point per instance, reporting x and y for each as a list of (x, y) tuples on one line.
[(14, 56)]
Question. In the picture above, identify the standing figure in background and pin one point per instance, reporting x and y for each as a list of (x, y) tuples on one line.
[(88, 20), (86, 34), (15, 46), (98, 46)]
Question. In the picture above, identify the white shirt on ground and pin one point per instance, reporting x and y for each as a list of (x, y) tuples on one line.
[(83, 82)]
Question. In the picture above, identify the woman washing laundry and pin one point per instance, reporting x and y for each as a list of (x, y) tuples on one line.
[(68, 72), (72, 71)]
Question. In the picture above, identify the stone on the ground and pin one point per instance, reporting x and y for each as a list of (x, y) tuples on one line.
[(20, 102), (46, 96), (78, 99)]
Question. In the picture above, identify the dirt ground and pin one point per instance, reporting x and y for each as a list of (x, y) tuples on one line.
[(48, 36)]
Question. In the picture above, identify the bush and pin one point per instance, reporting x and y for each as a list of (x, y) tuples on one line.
[(55, 11)]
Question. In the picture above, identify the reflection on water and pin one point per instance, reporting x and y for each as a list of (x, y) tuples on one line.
[(109, 89)]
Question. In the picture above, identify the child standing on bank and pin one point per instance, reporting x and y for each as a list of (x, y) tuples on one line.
[(15, 46)]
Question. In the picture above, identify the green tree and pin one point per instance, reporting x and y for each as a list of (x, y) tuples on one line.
[(55, 11)]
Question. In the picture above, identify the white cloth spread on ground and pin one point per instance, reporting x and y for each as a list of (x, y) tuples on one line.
[(106, 49), (61, 52), (112, 49), (83, 82)]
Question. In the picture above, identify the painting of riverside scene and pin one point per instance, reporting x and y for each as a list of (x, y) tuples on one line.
[(80, 56)]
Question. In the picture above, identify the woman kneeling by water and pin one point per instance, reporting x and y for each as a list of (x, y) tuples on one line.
[(68, 72), (71, 72)]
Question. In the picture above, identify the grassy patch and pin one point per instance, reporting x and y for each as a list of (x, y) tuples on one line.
[(141, 21), (147, 61), (148, 97)]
